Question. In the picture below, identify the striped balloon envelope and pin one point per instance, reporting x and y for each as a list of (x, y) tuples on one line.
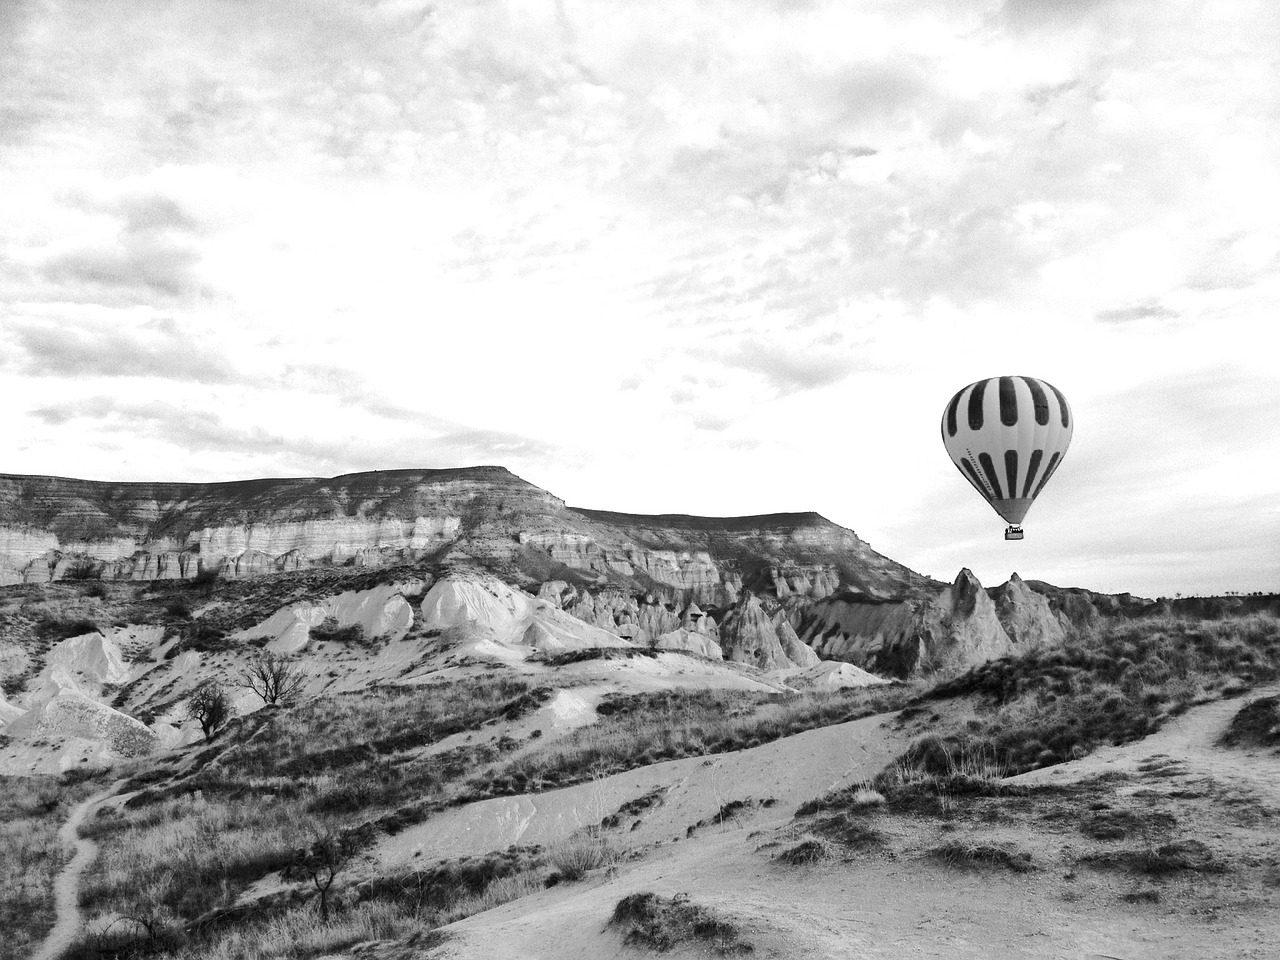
[(1008, 435)]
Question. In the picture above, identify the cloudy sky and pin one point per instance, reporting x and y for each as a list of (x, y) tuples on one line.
[(713, 257)]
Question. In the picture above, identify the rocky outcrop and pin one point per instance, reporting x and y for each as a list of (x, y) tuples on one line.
[(381, 613), (1026, 615), (797, 652), (813, 580), (71, 715), (493, 617), (953, 628), (749, 634), (830, 675), (689, 642), (852, 627)]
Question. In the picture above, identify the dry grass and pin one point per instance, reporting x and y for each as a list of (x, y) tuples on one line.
[(958, 853), (576, 857), (189, 847), (808, 851), (300, 932), (1115, 685), (190, 854), (31, 811), (1257, 724), (649, 728), (650, 921)]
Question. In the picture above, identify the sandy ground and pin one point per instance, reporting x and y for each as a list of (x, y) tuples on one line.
[(893, 902), (784, 773)]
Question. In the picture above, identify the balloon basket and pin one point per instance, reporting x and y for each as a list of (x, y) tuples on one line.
[(1013, 533)]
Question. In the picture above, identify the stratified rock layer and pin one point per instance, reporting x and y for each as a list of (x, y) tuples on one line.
[(55, 528)]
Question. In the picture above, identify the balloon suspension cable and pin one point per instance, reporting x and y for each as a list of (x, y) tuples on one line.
[(1013, 532)]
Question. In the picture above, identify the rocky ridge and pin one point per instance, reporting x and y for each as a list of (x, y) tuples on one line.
[(955, 627), (56, 528)]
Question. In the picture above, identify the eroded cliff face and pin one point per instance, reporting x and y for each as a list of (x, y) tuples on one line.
[(953, 628), (53, 528)]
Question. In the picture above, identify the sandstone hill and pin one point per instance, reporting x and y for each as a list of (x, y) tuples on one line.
[(52, 528)]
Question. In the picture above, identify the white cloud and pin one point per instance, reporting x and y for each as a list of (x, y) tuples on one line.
[(722, 257)]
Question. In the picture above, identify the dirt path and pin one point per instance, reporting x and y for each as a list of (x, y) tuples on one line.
[(66, 889)]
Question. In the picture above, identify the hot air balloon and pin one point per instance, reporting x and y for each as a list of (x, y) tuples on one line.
[(1008, 435)]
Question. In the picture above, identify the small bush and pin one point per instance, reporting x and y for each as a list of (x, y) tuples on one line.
[(661, 923), (574, 859), (204, 637), (807, 851), (82, 570), (960, 854), (1178, 856), (329, 631), (54, 628), (1257, 724)]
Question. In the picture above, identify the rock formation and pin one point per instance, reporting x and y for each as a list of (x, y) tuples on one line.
[(72, 715), (491, 615), (749, 635), (1025, 614), (698, 643), (381, 613), (958, 626), (956, 629), (52, 528)]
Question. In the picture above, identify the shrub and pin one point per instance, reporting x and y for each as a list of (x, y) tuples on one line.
[(329, 631), (202, 636), (574, 858), (961, 854), (206, 579), (84, 569), (1257, 724), (53, 627), (661, 923), (807, 851), (1117, 685)]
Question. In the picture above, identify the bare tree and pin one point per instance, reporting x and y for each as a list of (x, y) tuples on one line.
[(274, 679), (322, 861), (209, 706)]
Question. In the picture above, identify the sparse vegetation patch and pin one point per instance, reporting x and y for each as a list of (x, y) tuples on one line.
[(1185, 855), (633, 731), (31, 811), (654, 922), (1117, 685), (1256, 725), (958, 853)]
